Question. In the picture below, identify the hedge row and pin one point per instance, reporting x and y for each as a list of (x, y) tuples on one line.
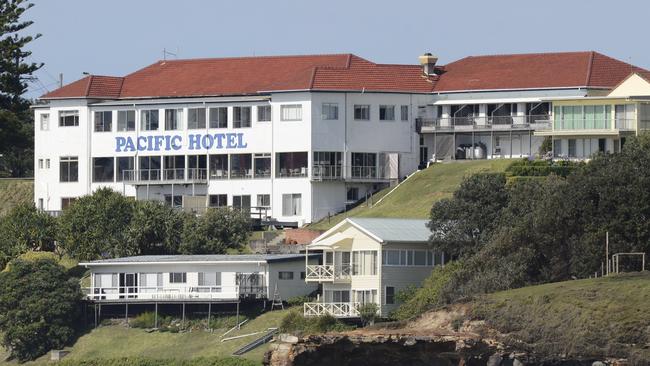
[(140, 361), (540, 171)]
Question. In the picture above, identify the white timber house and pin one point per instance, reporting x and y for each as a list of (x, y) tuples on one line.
[(369, 260), (196, 278)]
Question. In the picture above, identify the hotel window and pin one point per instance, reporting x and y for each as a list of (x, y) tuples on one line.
[(174, 167), (364, 165), (219, 166), (197, 167), (125, 168), (241, 166), (404, 112), (364, 263), (69, 118), (263, 200), (285, 275), (291, 112), (241, 117), (386, 112), (177, 277), (624, 115), (262, 165), (362, 112), (330, 111), (390, 295), (173, 119), (327, 164), (264, 113), (149, 167), (47, 163), (175, 201), (195, 118), (291, 204), (291, 164), (103, 169), (218, 200), (242, 202), (103, 121), (219, 117), (69, 169), (40, 163), (352, 194), (45, 121), (67, 201), (149, 120), (126, 121), (572, 148)]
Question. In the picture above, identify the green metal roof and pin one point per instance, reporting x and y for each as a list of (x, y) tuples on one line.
[(393, 230)]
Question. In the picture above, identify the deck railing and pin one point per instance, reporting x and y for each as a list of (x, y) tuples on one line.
[(328, 272), (336, 309), (190, 175), (594, 124), (164, 293), (481, 122)]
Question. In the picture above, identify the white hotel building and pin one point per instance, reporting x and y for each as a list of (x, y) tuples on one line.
[(296, 138)]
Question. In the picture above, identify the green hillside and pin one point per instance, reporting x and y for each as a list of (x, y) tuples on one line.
[(582, 317), (14, 192), (414, 197), (117, 341)]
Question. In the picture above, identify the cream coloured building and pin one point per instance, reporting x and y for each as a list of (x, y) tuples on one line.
[(369, 260)]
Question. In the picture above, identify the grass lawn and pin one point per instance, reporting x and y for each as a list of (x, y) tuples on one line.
[(576, 317), (14, 192), (414, 198), (116, 341)]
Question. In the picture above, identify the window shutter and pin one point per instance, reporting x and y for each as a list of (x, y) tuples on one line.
[(201, 279)]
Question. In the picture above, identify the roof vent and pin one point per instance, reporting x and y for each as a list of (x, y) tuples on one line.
[(428, 62)]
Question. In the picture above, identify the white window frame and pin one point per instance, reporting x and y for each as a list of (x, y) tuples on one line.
[(45, 121), (404, 112), (102, 115), (123, 125), (364, 112), (177, 114), (389, 112), (174, 280), (146, 123), (386, 295), (64, 115), (291, 112), (194, 121), (264, 113)]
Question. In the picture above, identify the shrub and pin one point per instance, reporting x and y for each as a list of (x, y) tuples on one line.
[(298, 300), (296, 322), (224, 322), (368, 313), (144, 320)]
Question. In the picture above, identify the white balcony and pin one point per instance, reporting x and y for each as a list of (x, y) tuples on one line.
[(335, 309), (328, 273), (168, 176), (469, 123), (160, 293)]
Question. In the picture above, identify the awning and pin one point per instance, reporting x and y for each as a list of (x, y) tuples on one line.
[(486, 101), (330, 242)]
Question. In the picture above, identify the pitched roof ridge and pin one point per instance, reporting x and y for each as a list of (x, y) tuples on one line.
[(529, 54), (590, 67), (199, 59), (89, 83)]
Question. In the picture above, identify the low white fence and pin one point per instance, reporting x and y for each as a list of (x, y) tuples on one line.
[(162, 293), (336, 309)]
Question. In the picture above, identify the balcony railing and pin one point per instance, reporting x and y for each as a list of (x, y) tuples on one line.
[(163, 293), (328, 272), (191, 175), (481, 122), (368, 173), (292, 172), (336, 309), (241, 174), (327, 172)]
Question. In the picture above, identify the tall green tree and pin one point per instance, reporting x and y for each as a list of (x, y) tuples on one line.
[(218, 230), (16, 120), (96, 226), (24, 229), (155, 228), (39, 305)]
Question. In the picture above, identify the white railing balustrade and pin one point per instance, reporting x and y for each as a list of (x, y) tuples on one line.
[(162, 293), (336, 309), (328, 272), (481, 122)]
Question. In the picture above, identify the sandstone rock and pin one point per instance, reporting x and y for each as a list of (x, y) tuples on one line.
[(598, 363), (288, 338)]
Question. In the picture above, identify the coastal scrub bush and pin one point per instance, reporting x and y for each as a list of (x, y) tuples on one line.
[(144, 320), (296, 322), (368, 313), (298, 300)]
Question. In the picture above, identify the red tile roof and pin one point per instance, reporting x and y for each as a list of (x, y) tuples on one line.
[(92, 86), (531, 71), (346, 72)]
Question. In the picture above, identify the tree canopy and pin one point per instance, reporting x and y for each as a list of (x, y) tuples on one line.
[(39, 305), (23, 229), (218, 230)]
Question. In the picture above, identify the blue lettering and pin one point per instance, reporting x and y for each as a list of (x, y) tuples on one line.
[(120, 142), (240, 141), (207, 141), (219, 138), (150, 143), (158, 141), (176, 142), (142, 143), (195, 142), (230, 142), (130, 146)]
